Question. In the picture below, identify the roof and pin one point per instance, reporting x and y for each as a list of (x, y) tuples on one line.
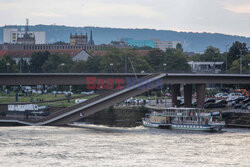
[(138, 52), (28, 53)]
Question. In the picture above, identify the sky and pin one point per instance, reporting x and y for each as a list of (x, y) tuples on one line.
[(216, 16)]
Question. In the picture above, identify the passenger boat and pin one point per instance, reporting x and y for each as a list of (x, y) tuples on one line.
[(185, 119)]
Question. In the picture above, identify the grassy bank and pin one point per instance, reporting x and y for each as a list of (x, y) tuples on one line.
[(10, 98)]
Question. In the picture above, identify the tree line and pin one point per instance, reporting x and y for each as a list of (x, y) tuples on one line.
[(128, 60)]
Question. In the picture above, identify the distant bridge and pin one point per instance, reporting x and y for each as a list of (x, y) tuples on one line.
[(80, 78), (114, 96)]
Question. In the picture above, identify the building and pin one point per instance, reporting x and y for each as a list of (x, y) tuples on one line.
[(153, 43), (206, 67), (138, 43), (10, 35), (78, 39), (14, 36), (163, 45), (25, 45), (26, 39)]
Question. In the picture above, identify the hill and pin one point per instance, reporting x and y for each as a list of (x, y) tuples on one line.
[(191, 41)]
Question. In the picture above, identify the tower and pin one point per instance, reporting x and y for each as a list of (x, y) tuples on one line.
[(91, 41), (27, 38), (26, 35)]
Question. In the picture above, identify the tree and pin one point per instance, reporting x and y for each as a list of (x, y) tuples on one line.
[(236, 50), (156, 59), (140, 64), (212, 54), (8, 65), (93, 64), (113, 61), (179, 47), (58, 63), (37, 61), (235, 68), (79, 66), (176, 61), (23, 66)]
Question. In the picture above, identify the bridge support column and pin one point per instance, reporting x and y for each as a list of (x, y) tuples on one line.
[(201, 95), (188, 95), (175, 90)]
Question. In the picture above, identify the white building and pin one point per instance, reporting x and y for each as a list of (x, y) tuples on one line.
[(10, 35), (163, 45), (206, 67)]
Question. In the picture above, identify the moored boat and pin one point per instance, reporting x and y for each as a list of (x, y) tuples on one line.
[(185, 119)]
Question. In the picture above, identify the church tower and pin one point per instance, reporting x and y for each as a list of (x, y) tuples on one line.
[(91, 41)]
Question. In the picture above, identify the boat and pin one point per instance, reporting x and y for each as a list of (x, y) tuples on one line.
[(184, 119)]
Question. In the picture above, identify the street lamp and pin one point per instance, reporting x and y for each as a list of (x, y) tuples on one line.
[(7, 64), (226, 56), (111, 65), (164, 65), (240, 64)]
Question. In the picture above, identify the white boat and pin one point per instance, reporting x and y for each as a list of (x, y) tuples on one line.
[(185, 119)]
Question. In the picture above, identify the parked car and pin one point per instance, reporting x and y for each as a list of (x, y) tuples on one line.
[(247, 100), (218, 95), (240, 98), (221, 101), (215, 105), (194, 104), (234, 98), (53, 92), (245, 106), (221, 95), (238, 105), (234, 94), (88, 93), (210, 100)]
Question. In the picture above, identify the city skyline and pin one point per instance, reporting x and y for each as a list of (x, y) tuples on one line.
[(225, 16)]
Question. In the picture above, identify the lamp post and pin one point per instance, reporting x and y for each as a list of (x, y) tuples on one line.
[(125, 68), (226, 56), (240, 64), (7, 64), (62, 67), (111, 65), (164, 65)]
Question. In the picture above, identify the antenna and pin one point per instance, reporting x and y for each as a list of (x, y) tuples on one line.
[(27, 25)]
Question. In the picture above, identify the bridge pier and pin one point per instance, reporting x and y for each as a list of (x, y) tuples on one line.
[(188, 95), (201, 95), (175, 90)]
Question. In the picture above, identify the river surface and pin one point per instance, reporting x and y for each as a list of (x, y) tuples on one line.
[(94, 145)]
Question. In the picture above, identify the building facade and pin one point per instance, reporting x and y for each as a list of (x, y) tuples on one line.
[(10, 35), (78, 39), (153, 43), (138, 43), (206, 67), (163, 45)]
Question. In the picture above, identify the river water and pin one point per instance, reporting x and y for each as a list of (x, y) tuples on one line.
[(94, 145)]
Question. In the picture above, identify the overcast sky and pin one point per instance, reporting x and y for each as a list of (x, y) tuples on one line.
[(222, 16)]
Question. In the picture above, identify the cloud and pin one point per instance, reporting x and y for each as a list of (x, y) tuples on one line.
[(48, 14), (240, 9), (98, 9), (226, 16)]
